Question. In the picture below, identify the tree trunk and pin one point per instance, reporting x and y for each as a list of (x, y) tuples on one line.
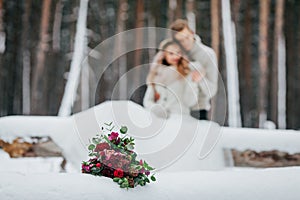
[(57, 26), (11, 79), (215, 31), (85, 77), (120, 67), (2, 33), (292, 34), (78, 55), (139, 37), (276, 67), (190, 15), (282, 82), (171, 11), (263, 60), (178, 11), (151, 37), (215, 43), (38, 95), (2, 50), (234, 116), (246, 62), (26, 58)]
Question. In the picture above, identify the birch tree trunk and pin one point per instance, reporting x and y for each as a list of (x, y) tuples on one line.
[(2, 33), (190, 15), (2, 50), (263, 60), (278, 100), (274, 70), (121, 67), (151, 38), (75, 68), (85, 77), (57, 26), (38, 104), (26, 59), (234, 116)]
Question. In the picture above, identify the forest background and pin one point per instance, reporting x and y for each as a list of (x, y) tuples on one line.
[(37, 45)]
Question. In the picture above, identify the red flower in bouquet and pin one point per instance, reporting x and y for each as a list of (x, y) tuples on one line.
[(118, 173), (98, 165), (113, 136), (102, 146), (85, 168)]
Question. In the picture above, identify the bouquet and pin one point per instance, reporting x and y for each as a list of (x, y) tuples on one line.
[(111, 155)]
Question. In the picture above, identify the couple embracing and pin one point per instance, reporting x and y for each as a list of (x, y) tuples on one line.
[(183, 76)]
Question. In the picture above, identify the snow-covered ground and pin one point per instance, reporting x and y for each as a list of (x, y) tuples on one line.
[(177, 147), (273, 184), (29, 165), (32, 164)]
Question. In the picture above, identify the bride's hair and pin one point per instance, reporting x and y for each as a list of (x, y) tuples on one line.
[(159, 59), (182, 66)]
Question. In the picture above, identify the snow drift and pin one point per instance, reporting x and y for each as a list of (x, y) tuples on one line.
[(184, 150)]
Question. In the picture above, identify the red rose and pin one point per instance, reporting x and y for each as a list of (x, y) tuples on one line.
[(113, 136), (98, 165), (118, 173), (102, 146)]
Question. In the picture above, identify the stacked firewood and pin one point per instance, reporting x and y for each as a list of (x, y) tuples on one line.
[(17, 148), (274, 158), (42, 147)]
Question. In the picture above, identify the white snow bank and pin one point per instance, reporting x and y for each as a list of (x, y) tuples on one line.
[(180, 137), (261, 139), (226, 185), (31, 165), (177, 144)]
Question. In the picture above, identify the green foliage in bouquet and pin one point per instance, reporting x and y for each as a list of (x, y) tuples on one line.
[(111, 155)]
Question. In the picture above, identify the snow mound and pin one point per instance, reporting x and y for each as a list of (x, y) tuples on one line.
[(225, 185), (185, 150)]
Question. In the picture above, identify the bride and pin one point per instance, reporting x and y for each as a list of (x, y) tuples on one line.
[(170, 87)]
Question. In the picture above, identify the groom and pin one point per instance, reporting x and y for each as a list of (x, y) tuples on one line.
[(207, 76)]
